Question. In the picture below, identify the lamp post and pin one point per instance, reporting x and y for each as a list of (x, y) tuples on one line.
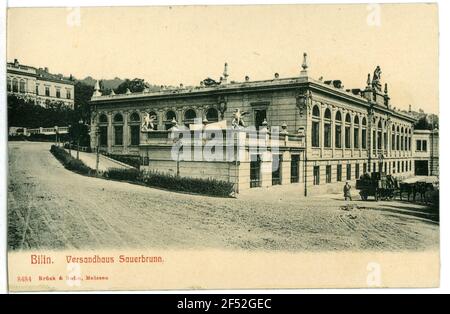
[(56, 135), (70, 140), (80, 123)]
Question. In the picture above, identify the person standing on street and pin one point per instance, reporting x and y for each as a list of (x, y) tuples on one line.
[(347, 193)]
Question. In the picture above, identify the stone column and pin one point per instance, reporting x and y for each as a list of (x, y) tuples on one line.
[(161, 117), (333, 131), (110, 131), (126, 132)]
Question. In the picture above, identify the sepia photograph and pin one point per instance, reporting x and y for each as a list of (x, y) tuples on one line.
[(223, 147)]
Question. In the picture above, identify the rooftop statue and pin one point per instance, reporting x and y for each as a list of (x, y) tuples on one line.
[(148, 124), (237, 119), (209, 82), (376, 82)]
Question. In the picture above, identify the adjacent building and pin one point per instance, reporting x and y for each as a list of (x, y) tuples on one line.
[(426, 152), (329, 134), (39, 85)]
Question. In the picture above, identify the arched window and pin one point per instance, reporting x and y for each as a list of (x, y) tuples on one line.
[(22, 88), (8, 86), (103, 130), (15, 85), (356, 132), (393, 138), (348, 121), (397, 139), (315, 132), (338, 130), (402, 141), (327, 128), (379, 134), (212, 115), (103, 118), (189, 117), (364, 134), (135, 132), (170, 116), (118, 129)]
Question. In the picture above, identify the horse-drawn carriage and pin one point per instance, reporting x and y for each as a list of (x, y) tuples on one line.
[(378, 185)]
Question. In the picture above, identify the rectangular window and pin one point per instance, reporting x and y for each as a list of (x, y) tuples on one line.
[(364, 138), (393, 167), (349, 171), (424, 146), (339, 173), (374, 167), (135, 135), (356, 138), (397, 141), (315, 134), (316, 172), (103, 135), (393, 142), (398, 166), (47, 91), (37, 89), (347, 137), (68, 94), (364, 168), (295, 168), (385, 141), (118, 135), (338, 137), (328, 174), (357, 171), (58, 93), (327, 135)]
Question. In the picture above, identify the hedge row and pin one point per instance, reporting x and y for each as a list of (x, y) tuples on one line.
[(171, 182), (211, 187), (206, 186), (70, 162), (131, 160)]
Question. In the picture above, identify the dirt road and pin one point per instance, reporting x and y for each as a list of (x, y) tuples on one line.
[(50, 207)]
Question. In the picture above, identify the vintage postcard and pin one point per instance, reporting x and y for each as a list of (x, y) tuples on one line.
[(223, 147)]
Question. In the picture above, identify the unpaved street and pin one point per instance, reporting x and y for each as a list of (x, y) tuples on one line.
[(51, 207)]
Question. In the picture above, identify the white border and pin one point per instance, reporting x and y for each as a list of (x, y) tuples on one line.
[(444, 101)]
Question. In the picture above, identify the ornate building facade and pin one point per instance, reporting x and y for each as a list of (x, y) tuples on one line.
[(39, 85), (332, 135)]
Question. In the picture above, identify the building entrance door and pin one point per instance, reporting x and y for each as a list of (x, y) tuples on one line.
[(421, 167)]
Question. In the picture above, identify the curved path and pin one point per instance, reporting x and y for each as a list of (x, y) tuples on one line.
[(51, 207)]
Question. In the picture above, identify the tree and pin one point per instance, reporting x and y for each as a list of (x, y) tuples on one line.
[(423, 124), (135, 86)]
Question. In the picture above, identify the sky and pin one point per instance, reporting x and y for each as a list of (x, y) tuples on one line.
[(186, 44)]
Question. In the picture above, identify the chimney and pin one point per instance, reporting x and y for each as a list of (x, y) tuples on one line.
[(46, 69), (225, 73), (16, 62)]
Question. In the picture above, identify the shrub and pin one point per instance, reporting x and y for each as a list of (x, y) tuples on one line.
[(69, 162), (208, 186), (132, 174), (131, 160)]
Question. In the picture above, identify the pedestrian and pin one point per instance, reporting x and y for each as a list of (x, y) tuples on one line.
[(347, 193)]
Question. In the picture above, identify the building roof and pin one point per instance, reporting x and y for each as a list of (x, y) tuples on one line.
[(39, 73)]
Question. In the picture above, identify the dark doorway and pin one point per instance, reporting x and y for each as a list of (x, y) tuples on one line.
[(295, 169), (255, 171), (276, 169), (260, 116), (421, 167)]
